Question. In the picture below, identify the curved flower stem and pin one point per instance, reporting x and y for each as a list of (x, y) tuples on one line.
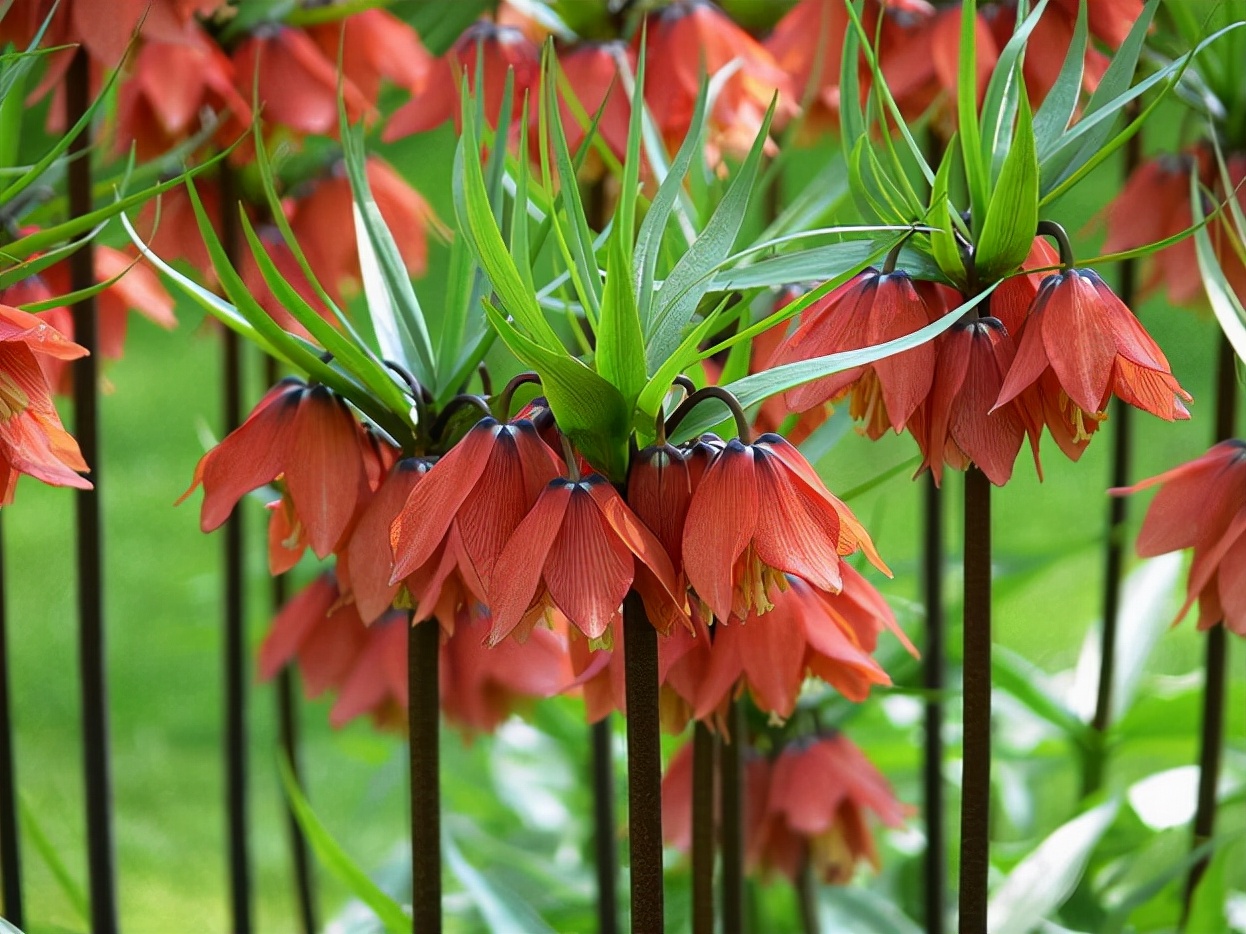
[(606, 854), (933, 664), (461, 401), (91, 660), (502, 407), (644, 765), (423, 724), (703, 756), (1060, 235), (1212, 740), (1113, 558), (743, 429), (975, 809), (731, 765)]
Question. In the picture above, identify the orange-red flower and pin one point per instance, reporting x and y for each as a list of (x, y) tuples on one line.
[(32, 439), (480, 490), (829, 636), (869, 309), (962, 421), (376, 47), (308, 437), (816, 805), (1095, 346), (503, 48), (689, 37), (591, 71), (1202, 505), (162, 99), (576, 552), (761, 512), (296, 83), (677, 797)]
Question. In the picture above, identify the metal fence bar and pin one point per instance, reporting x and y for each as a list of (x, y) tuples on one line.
[(933, 666), (234, 652), (94, 685), (10, 830)]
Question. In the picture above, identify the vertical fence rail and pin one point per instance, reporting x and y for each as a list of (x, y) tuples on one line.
[(234, 596), (975, 807), (288, 735), (1118, 508), (10, 848), (1216, 665), (91, 661), (731, 765), (935, 866), (703, 768), (604, 843)]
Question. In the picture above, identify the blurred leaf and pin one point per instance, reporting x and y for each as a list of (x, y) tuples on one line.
[(1145, 614), (1117, 920), (334, 858), (1224, 302), (1006, 89), (853, 908), (977, 170), (1041, 882), (1207, 908), (51, 857), (440, 24), (501, 909), (1012, 673), (1060, 104)]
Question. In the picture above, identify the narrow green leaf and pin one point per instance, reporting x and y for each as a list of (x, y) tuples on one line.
[(852, 124), (51, 857), (653, 227), (1117, 920), (334, 858), (1027, 684), (589, 410), (1044, 880), (392, 302), (620, 344), (479, 227), (815, 264), (1224, 301), (1012, 216), (977, 171), (943, 242), (1060, 104), (1006, 88), (687, 284)]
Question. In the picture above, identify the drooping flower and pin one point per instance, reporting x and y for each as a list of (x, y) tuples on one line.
[(32, 439), (483, 487), (962, 422), (869, 309), (677, 798), (162, 100), (576, 552), (503, 48), (308, 437), (1202, 505), (688, 36), (1095, 346), (761, 512), (816, 808), (376, 47)]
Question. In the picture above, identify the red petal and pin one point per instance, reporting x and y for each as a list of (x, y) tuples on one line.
[(589, 569), (325, 468), (301, 614), (720, 524), (1076, 335), (517, 574), (368, 552)]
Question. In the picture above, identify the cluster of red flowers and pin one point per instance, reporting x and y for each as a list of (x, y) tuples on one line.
[(1053, 350), (806, 805)]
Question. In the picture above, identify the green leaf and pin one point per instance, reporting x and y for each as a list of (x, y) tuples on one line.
[(856, 908), (334, 858), (620, 345), (1006, 89), (588, 409), (977, 171), (499, 907), (392, 303), (1012, 673), (1060, 104), (653, 227), (1012, 217), (51, 857), (688, 282), (1044, 880), (1224, 302), (479, 227), (943, 242), (1117, 920), (816, 264)]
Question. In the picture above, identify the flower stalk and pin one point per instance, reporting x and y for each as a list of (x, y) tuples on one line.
[(423, 723), (606, 857), (644, 766), (703, 767), (731, 764), (976, 777), (933, 678), (10, 852)]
